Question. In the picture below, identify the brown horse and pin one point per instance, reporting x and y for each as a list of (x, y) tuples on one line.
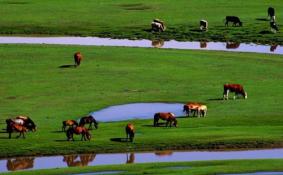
[(78, 58), (169, 117), (130, 131), (71, 123), (23, 121), (88, 119), (11, 127), (195, 108), (78, 130)]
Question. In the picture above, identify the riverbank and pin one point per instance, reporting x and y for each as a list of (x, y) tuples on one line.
[(132, 19)]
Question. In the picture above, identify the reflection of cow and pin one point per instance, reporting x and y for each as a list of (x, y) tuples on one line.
[(273, 47), (164, 153), (158, 26), (203, 25), (131, 158), (20, 163), (203, 44), (232, 45), (78, 160), (234, 19), (157, 43)]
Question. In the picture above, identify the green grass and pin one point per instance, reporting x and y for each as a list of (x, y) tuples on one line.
[(131, 19), (33, 85), (190, 168)]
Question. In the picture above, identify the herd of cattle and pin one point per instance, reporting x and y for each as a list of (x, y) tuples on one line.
[(22, 124), (158, 26)]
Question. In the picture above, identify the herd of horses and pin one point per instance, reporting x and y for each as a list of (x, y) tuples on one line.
[(23, 124)]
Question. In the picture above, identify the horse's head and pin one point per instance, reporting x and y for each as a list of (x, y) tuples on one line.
[(95, 123), (175, 122), (30, 125)]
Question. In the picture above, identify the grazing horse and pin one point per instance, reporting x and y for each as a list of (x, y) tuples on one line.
[(88, 119), (193, 107), (236, 88), (130, 131), (78, 130), (11, 127), (71, 123), (158, 25), (169, 117), (78, 58), (234, 19)]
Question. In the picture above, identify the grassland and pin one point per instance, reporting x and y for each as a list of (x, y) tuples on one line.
[(33, 84), (131, 19), (189, 168)]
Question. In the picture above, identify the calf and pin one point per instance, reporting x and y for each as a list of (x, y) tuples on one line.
[(234, 19), (236, 88)]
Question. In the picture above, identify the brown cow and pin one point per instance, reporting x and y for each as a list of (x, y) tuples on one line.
[(168, 116), (130, 131), (236, 88), (78, 58), (71, 123)]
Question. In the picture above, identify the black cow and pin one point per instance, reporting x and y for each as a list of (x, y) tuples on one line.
[(270, 12), (234, 19)]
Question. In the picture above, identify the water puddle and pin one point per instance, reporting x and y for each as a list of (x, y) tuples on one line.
[(172, 44), (50, 162), (258, 173), (136, 111)]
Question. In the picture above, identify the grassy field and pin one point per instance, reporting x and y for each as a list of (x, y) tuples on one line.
[(131, 19), (33, 84), (188, 168)]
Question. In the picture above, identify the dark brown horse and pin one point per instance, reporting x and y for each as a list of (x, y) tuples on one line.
[(88, 119), (13, 127), (168, 116), (78, 130), (71, 123), (78, 58), (130, 131)]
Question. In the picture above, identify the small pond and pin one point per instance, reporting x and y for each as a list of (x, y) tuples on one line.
[(172, 44), (49, 162), (136, 111)]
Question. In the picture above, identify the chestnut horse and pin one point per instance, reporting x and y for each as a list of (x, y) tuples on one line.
[(194, 107), (78, 130), (71, 123), (169, 117), (78, 58), (236, 88), (11, 127), (88, 119), (130, 131)]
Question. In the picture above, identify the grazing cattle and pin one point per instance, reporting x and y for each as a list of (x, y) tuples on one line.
[(203, 25), (236, 88), (195, 108), (270, 12), (157, 26), (232, 45), (130, 131), (78, 58), (78, 130), (88, 119), (169, 117), (11, 127), (71, 123), (234, 19), (20, 163)]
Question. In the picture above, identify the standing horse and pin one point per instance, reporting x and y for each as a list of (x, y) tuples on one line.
[(78, 58), (236, 88), (195, 108), (11, 127), (71, 123), (88, 119), (78, 130), (130, 131), (169, 117)]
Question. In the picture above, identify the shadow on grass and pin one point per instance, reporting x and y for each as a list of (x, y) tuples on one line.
[(120, 140), (265, 32), (215, 99), (67, 66), (57, 131), (65, 140), (261, 19), (2, 138)]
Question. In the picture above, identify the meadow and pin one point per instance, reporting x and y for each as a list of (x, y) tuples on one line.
[(131, 19), (33, 84)]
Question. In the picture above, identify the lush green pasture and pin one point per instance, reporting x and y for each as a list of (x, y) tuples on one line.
[(189, 168), (132, 18), (33, 84)]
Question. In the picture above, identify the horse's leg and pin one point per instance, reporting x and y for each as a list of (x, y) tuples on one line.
[(90, 126), (24, 135), (10, 134)]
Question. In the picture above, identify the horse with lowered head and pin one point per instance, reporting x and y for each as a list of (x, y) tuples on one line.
[(130, 131), (88, 119), (11, 127), (168, 116), (70, 123), (236, 88), (78, 130)]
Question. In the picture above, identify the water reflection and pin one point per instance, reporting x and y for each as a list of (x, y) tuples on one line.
[(157, 43), (273, 47), (164, 153), (202, 44), (20, 163), (232, 45), (78, 160), (130, 158)]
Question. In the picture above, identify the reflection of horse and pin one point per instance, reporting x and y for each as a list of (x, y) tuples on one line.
[(203, 44), (157, 43), (130, 131), (232, 45), (20, 163), (88, 119), (169, 117), (71, 123), (131, 158), (194, 107), (78, 58), (164, 153), (78, 130), (273, 47), (84, 159)]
